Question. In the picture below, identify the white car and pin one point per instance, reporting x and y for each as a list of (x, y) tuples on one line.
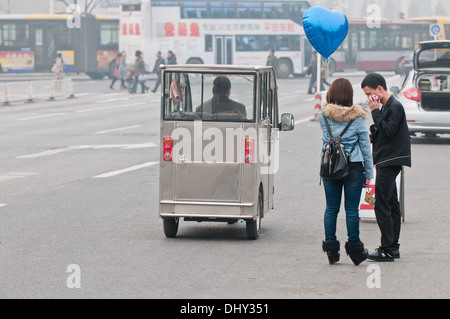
[(425, 94)]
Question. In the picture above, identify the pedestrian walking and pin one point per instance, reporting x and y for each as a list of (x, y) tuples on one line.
[(272, 60), (116, 69), (122, 70), (171, 58), (313, 71), (391, 150), (339, 111), (157, 70), (138, 73), (58, 67)]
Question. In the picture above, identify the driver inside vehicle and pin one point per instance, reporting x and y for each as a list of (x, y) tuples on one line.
[(221, 102)]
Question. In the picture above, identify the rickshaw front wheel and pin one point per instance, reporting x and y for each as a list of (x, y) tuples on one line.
[(170, 227)]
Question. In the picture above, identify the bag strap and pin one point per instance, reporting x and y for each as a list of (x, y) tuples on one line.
[(353, 148), (343, 132)]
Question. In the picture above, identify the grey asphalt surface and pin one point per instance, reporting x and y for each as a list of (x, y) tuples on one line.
[(55, 212)]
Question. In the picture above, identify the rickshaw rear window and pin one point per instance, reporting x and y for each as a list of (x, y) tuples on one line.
[(190, 96)]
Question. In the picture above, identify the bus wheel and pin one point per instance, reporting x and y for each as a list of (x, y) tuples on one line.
[(253, 226), (96, 76), (284, 68), (170, 227), (194, 61), (112, 71)]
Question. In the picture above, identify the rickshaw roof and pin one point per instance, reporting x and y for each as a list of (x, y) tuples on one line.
[(216, 68)]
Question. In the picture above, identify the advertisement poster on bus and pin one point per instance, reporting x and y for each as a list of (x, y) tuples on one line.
[(131, 37), (17, 61), (104, 58)]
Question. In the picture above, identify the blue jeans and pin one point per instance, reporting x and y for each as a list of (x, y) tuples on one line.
[(352, 185), (135, 83)]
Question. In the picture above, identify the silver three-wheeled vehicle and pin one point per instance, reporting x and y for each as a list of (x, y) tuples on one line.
[(219, 144)]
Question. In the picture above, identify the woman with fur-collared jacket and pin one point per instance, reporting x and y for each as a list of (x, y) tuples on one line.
[(339, 111)]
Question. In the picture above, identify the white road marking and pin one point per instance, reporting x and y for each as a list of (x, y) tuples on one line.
[(40, 116), (113, 100), (114, 94), (119, 129), (304, 120), (2, 205), (87, 147), (10, 176), (87, 94), (126, 170), (109, 107)]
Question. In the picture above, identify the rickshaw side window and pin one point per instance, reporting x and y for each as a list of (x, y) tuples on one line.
[(209, 97)]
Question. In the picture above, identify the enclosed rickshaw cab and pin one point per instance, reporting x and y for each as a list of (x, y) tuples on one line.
[(219, 144)]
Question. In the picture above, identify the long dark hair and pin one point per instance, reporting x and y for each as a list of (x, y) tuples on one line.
[(340, 93)]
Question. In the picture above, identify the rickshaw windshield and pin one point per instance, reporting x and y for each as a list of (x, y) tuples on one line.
[(190, 96)]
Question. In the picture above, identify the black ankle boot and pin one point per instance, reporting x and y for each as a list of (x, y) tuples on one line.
[(332, 250), (357, 252)]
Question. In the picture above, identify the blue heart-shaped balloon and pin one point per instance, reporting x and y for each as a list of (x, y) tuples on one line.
[(325, 29)]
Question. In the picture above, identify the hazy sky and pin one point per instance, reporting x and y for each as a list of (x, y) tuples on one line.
[(352, 8)]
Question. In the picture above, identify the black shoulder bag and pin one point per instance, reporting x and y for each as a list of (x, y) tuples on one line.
[(334, 162)]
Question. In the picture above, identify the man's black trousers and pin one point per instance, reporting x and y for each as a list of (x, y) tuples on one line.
[(387, 207)]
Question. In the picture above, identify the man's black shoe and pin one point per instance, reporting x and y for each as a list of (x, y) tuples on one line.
[(382, 255)]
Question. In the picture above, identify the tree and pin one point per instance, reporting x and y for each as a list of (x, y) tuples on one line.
[(8, 7), (89, 5)]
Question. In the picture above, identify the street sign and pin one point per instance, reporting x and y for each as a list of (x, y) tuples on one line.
[(435, 30)]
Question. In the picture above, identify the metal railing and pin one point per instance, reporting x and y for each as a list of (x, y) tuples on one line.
[(30, 91)]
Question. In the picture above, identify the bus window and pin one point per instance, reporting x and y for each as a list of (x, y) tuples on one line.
[(249, 10), (109, 34), (275, 10), (209, 97), (222, 10), (208, 43), (193, 9), (63, 35), (247, 43), (15, 34), (447, 31)]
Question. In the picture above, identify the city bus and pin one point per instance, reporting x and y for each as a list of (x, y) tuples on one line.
[(217, 32), (380, 48), (443, 22), (30, 43)]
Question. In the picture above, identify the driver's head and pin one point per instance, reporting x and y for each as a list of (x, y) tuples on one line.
[(221, 85)]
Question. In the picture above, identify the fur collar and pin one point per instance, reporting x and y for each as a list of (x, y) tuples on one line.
[(339, 113)]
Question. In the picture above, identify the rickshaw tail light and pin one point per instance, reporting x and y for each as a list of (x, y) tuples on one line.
[(249, 150), (167, 149)]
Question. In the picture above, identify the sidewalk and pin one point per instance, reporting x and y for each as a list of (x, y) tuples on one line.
[(13, 77)]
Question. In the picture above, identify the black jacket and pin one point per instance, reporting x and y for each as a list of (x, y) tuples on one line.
[(390, 136)]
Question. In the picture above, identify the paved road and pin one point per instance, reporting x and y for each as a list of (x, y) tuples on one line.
[(79, 186)]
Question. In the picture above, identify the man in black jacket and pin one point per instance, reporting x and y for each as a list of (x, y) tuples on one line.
[(391, 150)]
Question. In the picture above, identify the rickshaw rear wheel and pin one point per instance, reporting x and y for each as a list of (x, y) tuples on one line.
[(170, 227), (253, 226)]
